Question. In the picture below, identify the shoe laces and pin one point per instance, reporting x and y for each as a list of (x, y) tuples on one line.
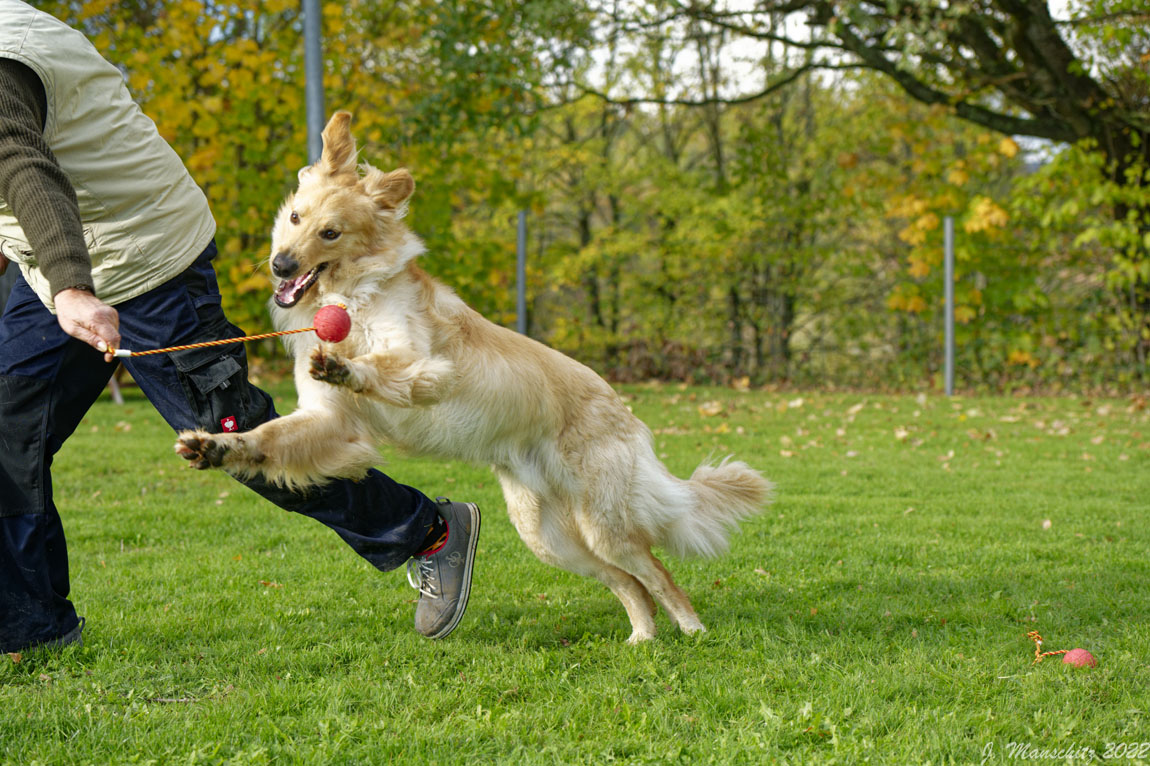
[(421, 576)]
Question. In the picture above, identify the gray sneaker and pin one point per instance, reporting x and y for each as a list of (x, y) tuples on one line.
[(443, 578)]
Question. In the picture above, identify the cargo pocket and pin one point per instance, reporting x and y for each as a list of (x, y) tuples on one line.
[(215, 382)]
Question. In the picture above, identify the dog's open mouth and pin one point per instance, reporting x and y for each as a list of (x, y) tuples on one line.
[(289, 291)]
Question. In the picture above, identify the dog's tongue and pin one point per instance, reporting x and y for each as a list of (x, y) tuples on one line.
[(287, 292)]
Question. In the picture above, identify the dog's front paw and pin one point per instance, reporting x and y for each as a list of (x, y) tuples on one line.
[(202, 450), (329, 367)]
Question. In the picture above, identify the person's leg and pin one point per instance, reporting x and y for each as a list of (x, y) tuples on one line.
[(47, 382), (383, 521)]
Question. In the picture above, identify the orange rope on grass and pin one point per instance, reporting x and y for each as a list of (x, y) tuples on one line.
[(1040, 655)]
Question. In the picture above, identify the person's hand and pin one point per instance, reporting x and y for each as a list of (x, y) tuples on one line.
[(85, 317)]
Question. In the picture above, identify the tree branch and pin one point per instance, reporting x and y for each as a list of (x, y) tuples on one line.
[(713, 100)]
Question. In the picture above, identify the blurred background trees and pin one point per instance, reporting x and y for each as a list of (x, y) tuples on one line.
[(749, 193)]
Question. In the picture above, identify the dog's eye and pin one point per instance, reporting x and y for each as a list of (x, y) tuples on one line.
[(329, 234), (294, 217)]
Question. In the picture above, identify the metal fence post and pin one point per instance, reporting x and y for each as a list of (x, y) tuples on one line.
[(948, 257), (313, 78), (521, 275)]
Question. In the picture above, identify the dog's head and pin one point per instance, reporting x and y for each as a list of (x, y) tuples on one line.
[(342, 221)]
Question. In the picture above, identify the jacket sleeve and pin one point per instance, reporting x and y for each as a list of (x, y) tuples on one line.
[(33, 184)]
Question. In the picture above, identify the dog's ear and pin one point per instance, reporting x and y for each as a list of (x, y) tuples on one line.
[(389, 190), (338, 158)]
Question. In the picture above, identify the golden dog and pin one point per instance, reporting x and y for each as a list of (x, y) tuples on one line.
[(423, 371)]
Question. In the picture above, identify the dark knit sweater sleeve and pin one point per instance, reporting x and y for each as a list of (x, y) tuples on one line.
[(33, 184)]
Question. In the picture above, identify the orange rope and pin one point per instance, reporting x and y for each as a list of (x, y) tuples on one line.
[(124, 352), (121, 353), (1040, 655)]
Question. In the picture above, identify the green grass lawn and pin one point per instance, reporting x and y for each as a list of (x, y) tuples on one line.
[(877, 611)]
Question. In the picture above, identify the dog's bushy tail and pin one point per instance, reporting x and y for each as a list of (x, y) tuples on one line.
[(719, 497)]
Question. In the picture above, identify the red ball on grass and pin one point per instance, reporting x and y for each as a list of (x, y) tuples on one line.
[(1079, 658), (332, 323)]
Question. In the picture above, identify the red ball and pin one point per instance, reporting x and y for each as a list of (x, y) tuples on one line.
[(332, 323), (1079, 658)]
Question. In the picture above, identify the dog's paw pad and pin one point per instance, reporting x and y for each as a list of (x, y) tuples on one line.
[(201, 451), (329, 368)]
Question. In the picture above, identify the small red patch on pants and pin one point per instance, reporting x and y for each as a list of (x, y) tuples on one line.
[(229, 424)]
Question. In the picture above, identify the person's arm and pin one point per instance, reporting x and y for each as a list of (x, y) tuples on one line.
[(44, 202)]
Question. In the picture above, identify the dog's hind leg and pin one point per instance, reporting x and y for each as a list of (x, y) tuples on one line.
[(553, 538), (636, 559)]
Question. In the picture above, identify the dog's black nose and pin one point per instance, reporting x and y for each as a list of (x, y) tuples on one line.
[(283, 265)]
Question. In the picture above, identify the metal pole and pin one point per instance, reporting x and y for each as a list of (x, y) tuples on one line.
[(313, 74), (948, 255), (521, 276)]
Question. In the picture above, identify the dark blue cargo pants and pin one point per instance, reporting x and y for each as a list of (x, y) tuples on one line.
[(48, 381)]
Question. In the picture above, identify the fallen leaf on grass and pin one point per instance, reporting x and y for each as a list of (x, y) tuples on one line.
[(1047, 524), (267, 584), (710, 409), (16, 657)]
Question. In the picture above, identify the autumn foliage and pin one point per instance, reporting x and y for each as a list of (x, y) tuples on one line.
[(794, 238)]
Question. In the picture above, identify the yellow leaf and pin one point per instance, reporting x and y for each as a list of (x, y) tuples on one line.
[(253, 283), (985, 215), (847, 160), (1022, 358), (1007, 147), (710, 409), (918, 267)]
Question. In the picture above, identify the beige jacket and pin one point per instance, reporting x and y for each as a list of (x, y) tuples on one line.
[(145, 220)]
